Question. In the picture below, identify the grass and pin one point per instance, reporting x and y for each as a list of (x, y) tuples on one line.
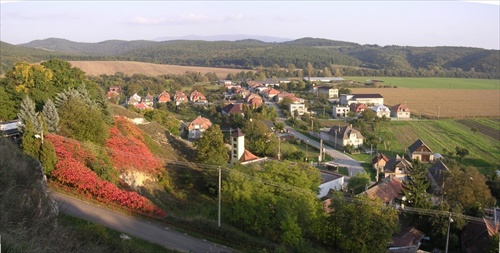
[(434, 83), (441, 136), (344, 171), (110, 238)]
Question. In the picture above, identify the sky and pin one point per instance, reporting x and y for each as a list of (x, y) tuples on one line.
[(404, 23)]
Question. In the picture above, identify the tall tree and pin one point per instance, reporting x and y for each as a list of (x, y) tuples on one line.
[(359, 182), (27, 114), (310, 69), (210, 148), (51, 116), (415, 188)]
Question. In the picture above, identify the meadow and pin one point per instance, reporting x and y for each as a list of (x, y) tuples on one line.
[(442, 136), (433, 82)]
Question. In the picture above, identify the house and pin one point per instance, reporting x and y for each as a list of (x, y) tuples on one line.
[(225, 82), (340, 111), (387, 189), (358, 108), (10, 129), (398, 167), (116, 89), (197, 97), (238, 153), (180, 98), (113, 95), (329, 92), (197, 127), (142, 106), (367, 99), (419, 150), (270, 93), (330, 181), (299, 107), (134, 99), (270, 82), (381, 111), (379, 162), (436, 175), (164, 97), (254, 100), (148, 100), (233, 108), (408, 240), (346, 135), (400, 111)]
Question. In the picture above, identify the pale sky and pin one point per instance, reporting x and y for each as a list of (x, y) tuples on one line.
[(404, 23)]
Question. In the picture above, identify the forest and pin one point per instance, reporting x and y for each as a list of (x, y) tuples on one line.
[(352, 58)]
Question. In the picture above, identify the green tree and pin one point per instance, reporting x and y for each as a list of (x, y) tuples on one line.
[(461, 152), (210, 148), (27, 113), (259, 139), (363, 225), (51, 116), (326, 72), (358, 183), (310, 69), (80, 121), (415, 188), (30, 142), (276, 200), (48, 157), (8, 108)]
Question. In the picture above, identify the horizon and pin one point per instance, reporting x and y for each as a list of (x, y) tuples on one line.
[(415, 24)]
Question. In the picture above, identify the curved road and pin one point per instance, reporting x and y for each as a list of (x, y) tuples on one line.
[(132, 226), (354, 167)]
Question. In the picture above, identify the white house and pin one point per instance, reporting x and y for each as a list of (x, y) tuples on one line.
[(340, 111), (367, 99), (381, 111), (400, 111), (330, 181), (299, 107)]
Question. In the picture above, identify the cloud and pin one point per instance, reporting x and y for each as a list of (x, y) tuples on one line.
[(190, 18)]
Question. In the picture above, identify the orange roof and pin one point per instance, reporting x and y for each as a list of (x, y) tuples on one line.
[(248, 156), (386, 189), (164, 97), (399, 107), (204, 123)]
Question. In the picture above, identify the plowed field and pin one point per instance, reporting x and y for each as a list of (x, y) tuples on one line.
[(486, 130), (95, 68), (441, 102)]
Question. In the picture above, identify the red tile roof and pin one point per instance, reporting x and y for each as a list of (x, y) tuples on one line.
[(386, 189), (248, 156), (164, 97), (204, 123), (399, 108)]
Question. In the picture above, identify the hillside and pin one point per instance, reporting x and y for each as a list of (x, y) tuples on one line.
[(383, 61)]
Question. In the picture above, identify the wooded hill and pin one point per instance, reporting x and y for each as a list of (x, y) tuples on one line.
[(321, 53)]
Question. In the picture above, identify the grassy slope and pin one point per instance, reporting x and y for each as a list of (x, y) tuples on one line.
[(436, 83), (440, 135)]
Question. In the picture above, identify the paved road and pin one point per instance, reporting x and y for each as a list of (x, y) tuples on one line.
[(343, 160), (132, 226)]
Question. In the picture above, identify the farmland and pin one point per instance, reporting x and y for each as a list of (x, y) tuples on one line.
[(442, 103), (433, 83), (96, 68), (441, 136)]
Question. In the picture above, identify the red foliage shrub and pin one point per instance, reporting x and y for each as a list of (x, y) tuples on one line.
[(70, 170), (129, 151)]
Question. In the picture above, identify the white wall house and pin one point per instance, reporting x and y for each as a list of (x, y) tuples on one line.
[(329, 92), (381, 111), (340, 111), (330, 181), (299, 107), (367, 99)]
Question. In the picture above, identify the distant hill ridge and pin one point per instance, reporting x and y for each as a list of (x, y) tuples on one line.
[(251, 53)]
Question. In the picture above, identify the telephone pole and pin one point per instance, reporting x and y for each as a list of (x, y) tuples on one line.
[(218, 212)]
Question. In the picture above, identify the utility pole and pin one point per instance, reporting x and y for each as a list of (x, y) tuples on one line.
[(218, 213), (448, 233), (279, 148)]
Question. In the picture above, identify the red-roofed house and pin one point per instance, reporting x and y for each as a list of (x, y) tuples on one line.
[(197, 97), (148, 100), (236, 108), (253, 100), (358, 108), (164, 97), (387, 189), (406, 241), (141, 106), (400, 111), (238, 152), (180, 98), (270, 93), (379, 162), (197, 127)]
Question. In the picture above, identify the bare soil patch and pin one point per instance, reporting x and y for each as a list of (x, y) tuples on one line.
[(96, 68), (444, 103), (486, 130)]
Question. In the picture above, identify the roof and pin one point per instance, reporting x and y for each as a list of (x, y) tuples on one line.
[(391, 165), (380, 156), (344, 132), (357, 107), (437, 171), (386, 189), (355, 96), (148, 97), (236, 132), (418, 143), (248, 156), (269, 124), (408, 236), (204, 123), (399, 107), (232, 108), (164, 97), (380, 108), (141, 105), (327, 176)]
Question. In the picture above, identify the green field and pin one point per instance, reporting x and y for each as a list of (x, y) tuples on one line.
[(434, 83), (441, 136)]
